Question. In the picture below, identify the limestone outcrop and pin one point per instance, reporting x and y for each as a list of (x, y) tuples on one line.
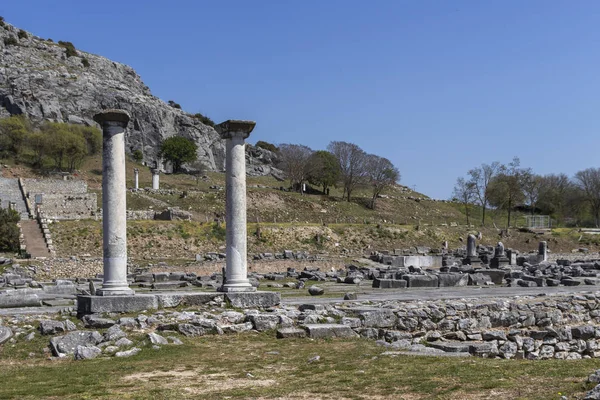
[(48, 81)]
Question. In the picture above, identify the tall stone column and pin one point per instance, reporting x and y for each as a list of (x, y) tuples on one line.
[(136, 178), (236, 271), (114, 221), (543, 251), (155, 179)]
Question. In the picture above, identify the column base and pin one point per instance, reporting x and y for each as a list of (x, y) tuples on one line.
[(236, 288), (115, 292)]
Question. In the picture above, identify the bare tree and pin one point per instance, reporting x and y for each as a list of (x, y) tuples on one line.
[(506, 188), (555, 194), (588, 181), (352, 163), (381, 174), (295, 161), (532, 186), (464, 192), (480, 179)]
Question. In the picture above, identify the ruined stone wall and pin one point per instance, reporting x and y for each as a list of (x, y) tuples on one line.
[(75, 206), (47, 186)]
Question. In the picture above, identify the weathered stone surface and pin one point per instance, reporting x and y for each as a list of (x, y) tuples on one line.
[(68, 343), (123, 342), (191, 330), (113, 333), (5, 334), (95, 321), (322, 331), (26, 300), (389, 283), (102, 304), (290, 332), (128, 353), (414, 281), (51, 327), (155, 338), (376, 318), (452, 279), (167, 300), (264, 322), (583, 332), (451, 347), (316, 290), (253, 299), (86, 352)]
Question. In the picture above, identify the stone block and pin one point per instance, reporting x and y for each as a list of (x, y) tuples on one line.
[(389, 283), (26, 300), (496, 275), (168, 300), (452, 279), (253, 299), (421, 280), (286, 333), (451, 346), (324, 331), (101, 304), (376, 318)]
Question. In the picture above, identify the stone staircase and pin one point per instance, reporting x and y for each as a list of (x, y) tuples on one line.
[(11, 192), (34, 238)]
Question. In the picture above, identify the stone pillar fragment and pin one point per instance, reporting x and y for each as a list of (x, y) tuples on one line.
[(236, 271), (136, 178), (114, 209), (543, 251), (155, 179), (471, 246)]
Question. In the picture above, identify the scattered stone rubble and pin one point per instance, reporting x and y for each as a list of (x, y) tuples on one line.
[(542, 327)]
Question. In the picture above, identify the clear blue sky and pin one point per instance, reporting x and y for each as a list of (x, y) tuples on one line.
[(438, 87)]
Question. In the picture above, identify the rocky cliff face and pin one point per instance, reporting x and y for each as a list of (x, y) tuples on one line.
[(40, 80)]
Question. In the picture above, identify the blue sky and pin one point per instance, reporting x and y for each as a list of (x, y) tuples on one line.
[(438, 87)]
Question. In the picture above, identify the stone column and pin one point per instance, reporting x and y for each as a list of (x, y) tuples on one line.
[(136, 178), (236, 272), (155, 179), (543, 251), (114, 221), (499, 251), (471, 246)]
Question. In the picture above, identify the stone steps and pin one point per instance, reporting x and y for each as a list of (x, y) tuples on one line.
[(10, 192), (34, 239)]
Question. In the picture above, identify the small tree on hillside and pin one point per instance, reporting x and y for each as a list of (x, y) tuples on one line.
[(352, 160), (588, 181), (480, 178), (506, 188), (324, 169), (464, 192), (178, 150), (13, 135), (381, 174), (295, 162)]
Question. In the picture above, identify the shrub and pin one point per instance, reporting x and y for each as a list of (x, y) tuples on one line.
[(178, 150), (10, 41), (50, 40), (267, 146), (2, 24), (9, 231), (174, 105), (85, 62), (137, 156), (204, 119), (70, 47), (22, 34)]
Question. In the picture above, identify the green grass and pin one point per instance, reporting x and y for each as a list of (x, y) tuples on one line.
[(260, 366)]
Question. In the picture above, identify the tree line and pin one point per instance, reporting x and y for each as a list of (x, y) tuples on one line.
[(568, 200), (54, 144), (343, 164)]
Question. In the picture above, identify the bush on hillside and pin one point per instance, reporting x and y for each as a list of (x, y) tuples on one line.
[(10, 41), (174, 105), (70, 47), (267, 146), (9, 231), (22, 34), (2, 23), (85, 62), (204, 119), (137, 156)]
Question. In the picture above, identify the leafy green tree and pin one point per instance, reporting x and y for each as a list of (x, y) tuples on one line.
[(137, 156), (178, 150), (267, 146), (324, 169), (9, 231), (13, 135)]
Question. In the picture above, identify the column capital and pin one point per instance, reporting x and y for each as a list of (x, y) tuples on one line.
[(233, 127), (120, 117)]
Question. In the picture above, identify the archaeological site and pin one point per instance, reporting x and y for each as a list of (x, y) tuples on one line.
[(147, 252)]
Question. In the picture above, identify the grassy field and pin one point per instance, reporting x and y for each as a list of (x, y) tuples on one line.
[(258, 366)]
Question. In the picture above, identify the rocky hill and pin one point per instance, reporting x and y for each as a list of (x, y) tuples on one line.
[(55, 82)]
